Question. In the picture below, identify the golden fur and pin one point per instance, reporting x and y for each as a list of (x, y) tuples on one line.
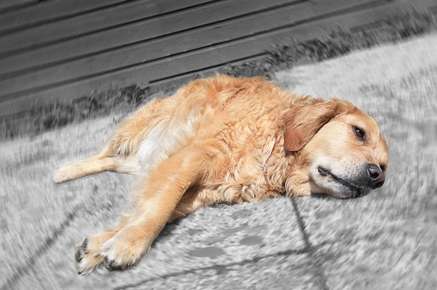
[(225, 139)]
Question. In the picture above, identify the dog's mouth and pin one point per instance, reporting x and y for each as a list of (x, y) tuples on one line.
[(355, 189)]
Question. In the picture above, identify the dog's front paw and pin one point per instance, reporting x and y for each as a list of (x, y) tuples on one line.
[(297, 185), (124, 250)]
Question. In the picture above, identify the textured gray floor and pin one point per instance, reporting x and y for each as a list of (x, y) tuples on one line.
[(386, 240)]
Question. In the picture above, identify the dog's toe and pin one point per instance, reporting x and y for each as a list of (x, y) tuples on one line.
[(112, 265), (121, 252)]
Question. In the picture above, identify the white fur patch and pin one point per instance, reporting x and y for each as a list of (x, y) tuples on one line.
[(164, 139)]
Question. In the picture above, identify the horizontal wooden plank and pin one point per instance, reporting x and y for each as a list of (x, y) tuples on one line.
[(13, 4), (49, 11), (421, 5), (133, 33), (201, 60), (71, 28), (143, 53)]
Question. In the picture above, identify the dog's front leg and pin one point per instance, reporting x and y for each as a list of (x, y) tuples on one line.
[(298, 184), (158, 196)]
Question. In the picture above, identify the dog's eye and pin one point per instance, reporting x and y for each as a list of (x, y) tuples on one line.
[(360, 133)]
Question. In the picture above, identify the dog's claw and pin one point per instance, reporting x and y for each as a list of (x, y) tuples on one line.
[(81, 251), (82, 257)]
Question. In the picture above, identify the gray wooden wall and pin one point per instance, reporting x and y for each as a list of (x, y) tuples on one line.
[(61, 49)]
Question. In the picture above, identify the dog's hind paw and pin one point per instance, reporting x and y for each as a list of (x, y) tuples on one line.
[(62, 174), (86, 258)]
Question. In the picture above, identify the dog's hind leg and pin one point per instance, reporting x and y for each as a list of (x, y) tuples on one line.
[(119, 153), (93, 165), (104, 161), (133, 129)]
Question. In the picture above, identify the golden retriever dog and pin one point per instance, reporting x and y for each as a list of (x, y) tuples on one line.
[(231, 140)]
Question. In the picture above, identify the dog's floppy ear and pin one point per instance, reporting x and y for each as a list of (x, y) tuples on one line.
[(302, 121)]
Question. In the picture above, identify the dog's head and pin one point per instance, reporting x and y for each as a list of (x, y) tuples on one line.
[(339, 150)]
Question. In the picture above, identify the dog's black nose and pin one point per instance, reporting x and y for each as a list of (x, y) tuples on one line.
[(376, 175)]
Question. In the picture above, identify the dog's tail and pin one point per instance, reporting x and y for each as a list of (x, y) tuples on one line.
[(85, 167)]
